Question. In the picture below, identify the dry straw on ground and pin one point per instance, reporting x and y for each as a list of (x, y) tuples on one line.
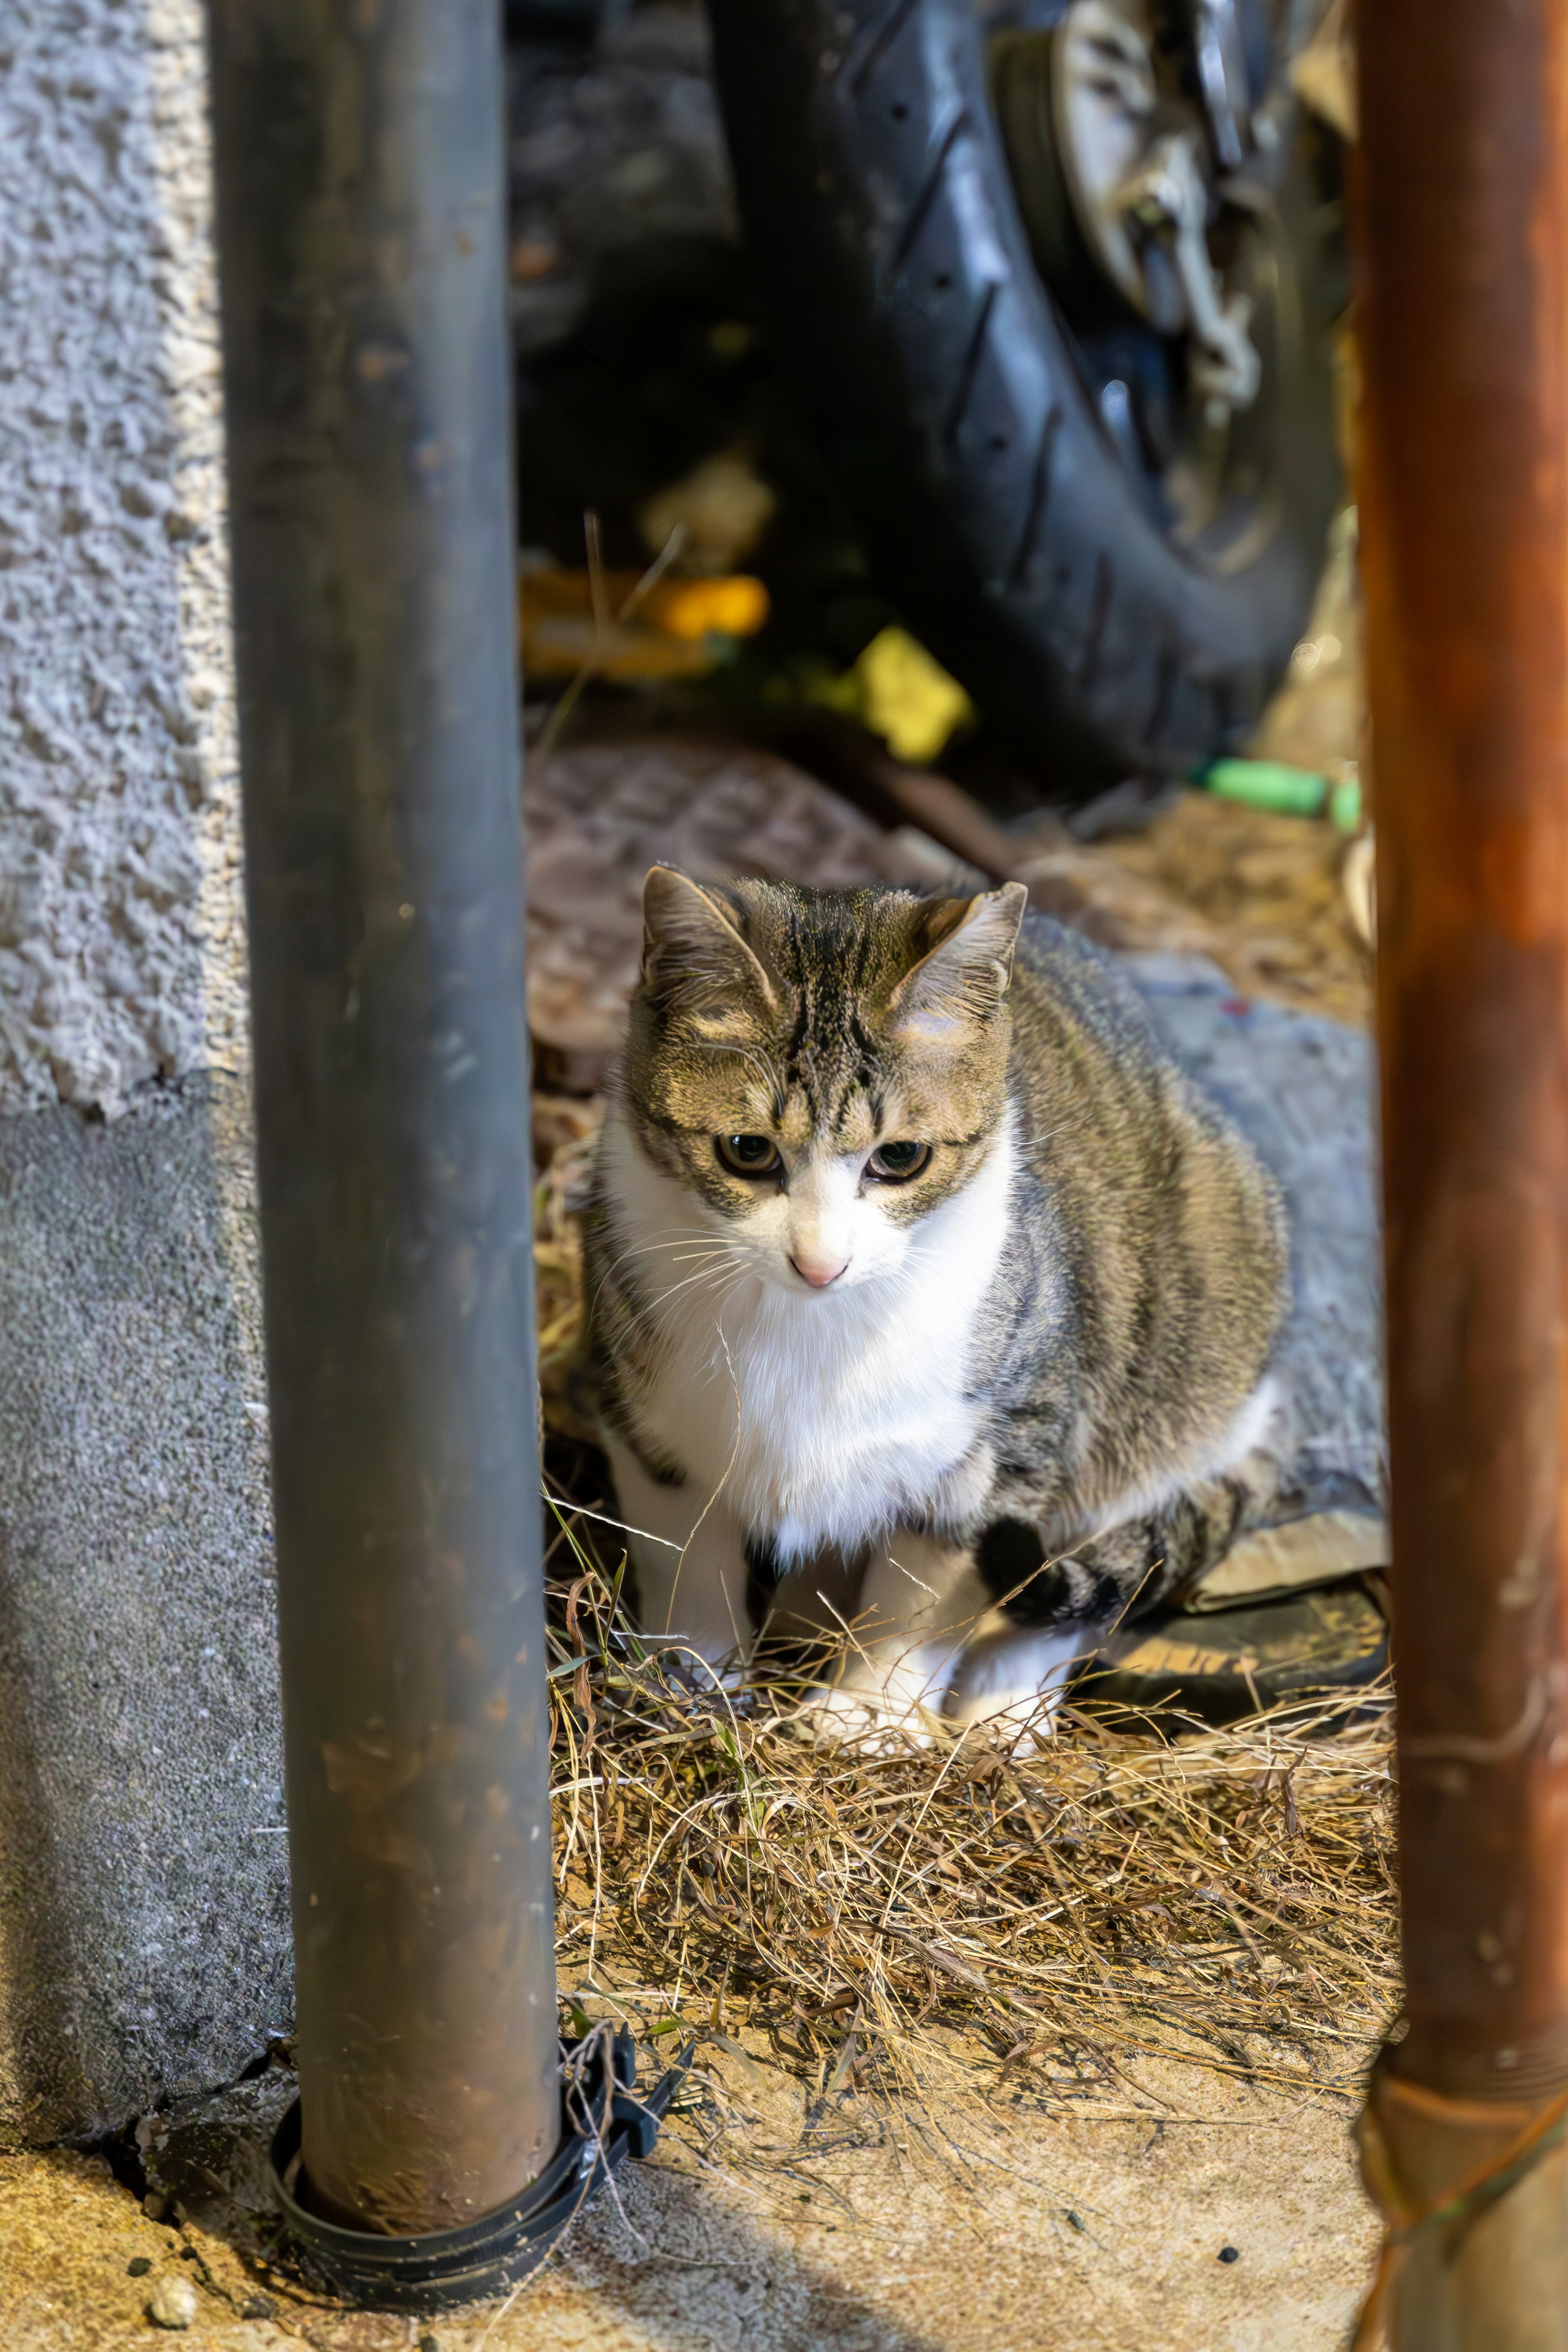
[(1226, 1897)]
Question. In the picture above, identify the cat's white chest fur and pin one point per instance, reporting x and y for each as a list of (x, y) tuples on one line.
[(823, 1417)]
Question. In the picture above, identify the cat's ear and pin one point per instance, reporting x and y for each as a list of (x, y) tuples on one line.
[(963, 974), (693, 954)]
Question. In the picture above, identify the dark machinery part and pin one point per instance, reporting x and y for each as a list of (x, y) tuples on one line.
[(1113, 550)]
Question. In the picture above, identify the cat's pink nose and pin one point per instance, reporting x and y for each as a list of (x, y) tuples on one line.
[(819, 1271)]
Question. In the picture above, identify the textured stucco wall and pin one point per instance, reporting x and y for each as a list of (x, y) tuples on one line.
[(120, 937)]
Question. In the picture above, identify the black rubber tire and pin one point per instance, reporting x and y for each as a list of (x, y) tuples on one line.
[(940, 380)]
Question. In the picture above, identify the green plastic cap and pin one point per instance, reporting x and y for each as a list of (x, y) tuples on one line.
[(1268, 784)]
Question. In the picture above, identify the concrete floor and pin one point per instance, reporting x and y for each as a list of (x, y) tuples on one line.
[(977, 2227)]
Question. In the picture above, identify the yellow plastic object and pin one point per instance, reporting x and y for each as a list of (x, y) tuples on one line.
[(735, 607), (909, 698), (677, 629), (559, 644)]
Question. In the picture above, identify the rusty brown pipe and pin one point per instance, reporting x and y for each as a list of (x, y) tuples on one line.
[(1462, 256)]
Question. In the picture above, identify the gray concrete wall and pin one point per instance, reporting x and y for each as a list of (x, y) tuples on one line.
[(143, 1935), (143, 1928)]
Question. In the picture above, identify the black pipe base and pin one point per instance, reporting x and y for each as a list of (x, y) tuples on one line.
[(602, 2123)]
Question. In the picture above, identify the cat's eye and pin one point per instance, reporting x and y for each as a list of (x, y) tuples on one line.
[(895, 1163), (748, 1155)]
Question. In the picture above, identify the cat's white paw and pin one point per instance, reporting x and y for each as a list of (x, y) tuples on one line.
[(850, 1716), (1014, 1677), (889, 1699)]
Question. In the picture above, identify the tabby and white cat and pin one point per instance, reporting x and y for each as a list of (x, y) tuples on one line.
[(921, 1280)]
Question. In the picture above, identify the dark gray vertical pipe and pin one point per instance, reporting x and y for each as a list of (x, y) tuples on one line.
[(361, 214)]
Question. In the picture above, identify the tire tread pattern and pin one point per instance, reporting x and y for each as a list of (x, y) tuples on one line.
[(877, 200)]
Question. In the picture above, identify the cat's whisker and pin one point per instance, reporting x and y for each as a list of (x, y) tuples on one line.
[(672, 1237), (694, 1234), (691, 1284), (687, 1293), (710, 1249), (725, 1250)]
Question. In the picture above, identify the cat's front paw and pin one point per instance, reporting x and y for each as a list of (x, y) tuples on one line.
[(887, 1700), (1012, 1676), (866, 1722)]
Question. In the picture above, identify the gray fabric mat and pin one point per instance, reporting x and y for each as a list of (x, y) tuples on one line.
[(1303, 1091)]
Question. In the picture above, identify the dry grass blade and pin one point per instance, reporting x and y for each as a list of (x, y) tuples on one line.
[(1226, 1894), (604, 619)]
